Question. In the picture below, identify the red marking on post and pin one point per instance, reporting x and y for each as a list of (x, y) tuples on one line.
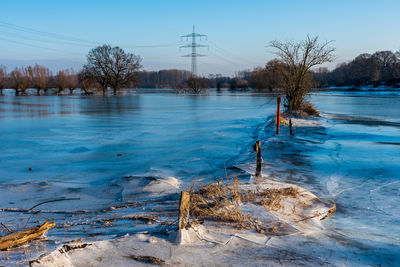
[(278, 114)]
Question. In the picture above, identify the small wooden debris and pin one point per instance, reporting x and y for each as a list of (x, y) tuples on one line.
[(21, 237), (5, 226), (146, 259), (184, 205)]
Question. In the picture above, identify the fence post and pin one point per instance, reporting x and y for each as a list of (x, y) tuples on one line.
[(278, 114), (257, 148), (184, 206)]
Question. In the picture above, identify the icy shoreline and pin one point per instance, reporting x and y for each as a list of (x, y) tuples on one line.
[(299, 236), (226, 244), (300, 240)]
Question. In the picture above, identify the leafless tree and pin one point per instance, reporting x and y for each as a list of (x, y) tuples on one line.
[(41, 77), (67, 79), (73, 81), (86, 82), (62, 80), (3, 77), (21, 78), (112, 67), (300, 57), (197, 84)]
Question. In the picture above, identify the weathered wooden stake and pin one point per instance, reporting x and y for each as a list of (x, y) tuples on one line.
[(257, 148), (290, 127), (278, 114), (184, 206)]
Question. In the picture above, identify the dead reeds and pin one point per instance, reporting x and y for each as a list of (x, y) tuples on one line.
[(222, 202)]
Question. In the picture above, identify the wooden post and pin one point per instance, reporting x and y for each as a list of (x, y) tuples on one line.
[(257, 148), (290, 127), (184, 206), (278, 114)]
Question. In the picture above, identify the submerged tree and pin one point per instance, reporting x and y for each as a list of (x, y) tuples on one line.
[(62, 80), (3, 76), (197, 84), (86, 81), (299, 58), (40, 76), (21, 78), (112, 67)]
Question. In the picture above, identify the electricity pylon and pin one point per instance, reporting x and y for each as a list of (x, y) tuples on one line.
[(193, 45)]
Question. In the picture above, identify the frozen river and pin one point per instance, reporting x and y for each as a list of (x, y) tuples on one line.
[(89, 149)]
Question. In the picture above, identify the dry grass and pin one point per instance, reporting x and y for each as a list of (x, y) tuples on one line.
[(220, 202), (272, 198), (310, 110)]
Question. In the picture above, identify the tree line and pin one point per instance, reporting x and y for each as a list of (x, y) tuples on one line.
[(107, 68), (41, 79), (379, 68), (112, 68)]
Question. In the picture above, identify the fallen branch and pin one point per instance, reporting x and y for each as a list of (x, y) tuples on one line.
[(54, 200), (5, 226), (21, 237)]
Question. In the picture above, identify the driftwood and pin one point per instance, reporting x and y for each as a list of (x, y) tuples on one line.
[(21, 237)]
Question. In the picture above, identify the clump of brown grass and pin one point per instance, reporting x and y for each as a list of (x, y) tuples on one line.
[(272, 198), (309, 110), (219, 202)]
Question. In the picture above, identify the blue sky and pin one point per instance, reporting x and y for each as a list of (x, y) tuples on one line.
[(238, 31)]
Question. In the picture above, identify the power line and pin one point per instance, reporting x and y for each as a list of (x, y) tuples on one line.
[(227, 53), (68, 40), (30, 45), (14, 35), (194, 45), (45, 34)]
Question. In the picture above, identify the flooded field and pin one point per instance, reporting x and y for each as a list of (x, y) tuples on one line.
[(99, 153)]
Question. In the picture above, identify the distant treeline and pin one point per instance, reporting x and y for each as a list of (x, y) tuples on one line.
[(380, 68), (179, 79)]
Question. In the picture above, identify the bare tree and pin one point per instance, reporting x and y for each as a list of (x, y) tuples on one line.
[(197, 84), (3, 77), (62, 80), (40, 77), (86, 82), (21, 78), (73, 81), (300, 57), (112, 67)]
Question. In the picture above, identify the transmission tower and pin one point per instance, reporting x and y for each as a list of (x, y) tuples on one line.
[(194, 45)]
